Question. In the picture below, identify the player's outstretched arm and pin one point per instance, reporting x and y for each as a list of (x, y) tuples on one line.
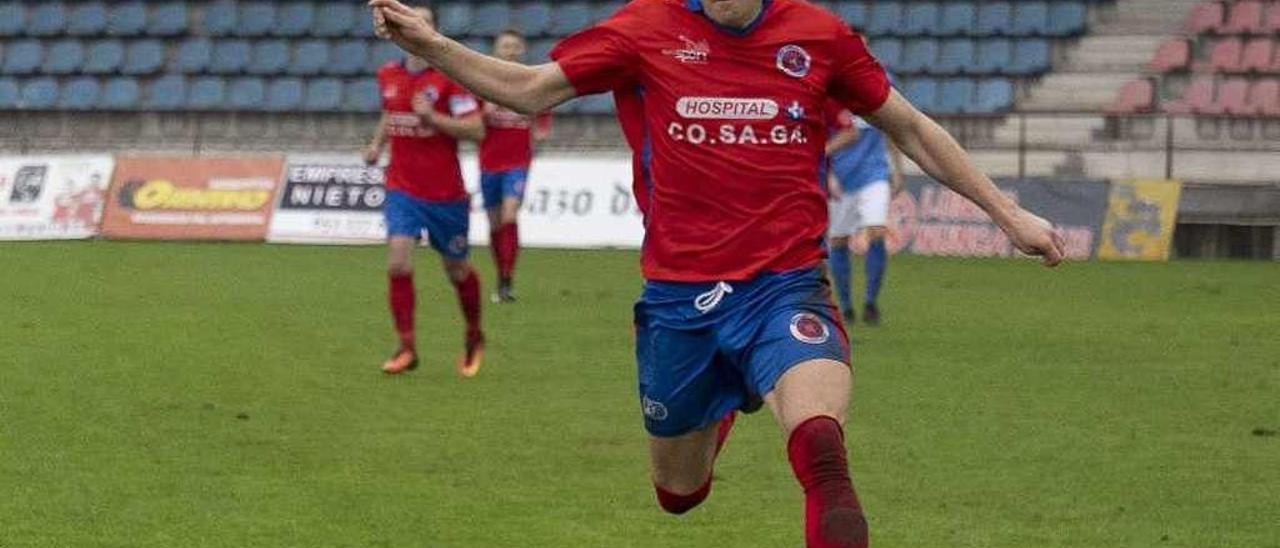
[(939, 155), (523, 88)]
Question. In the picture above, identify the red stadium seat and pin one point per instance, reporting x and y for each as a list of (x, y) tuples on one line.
[(1136, 96), (1245, 18), (1265, 97), (1172, 55), (1204, 17), (1196, 98), (1273, 19), (1225, 55), (1257, 55), (1233, 98)]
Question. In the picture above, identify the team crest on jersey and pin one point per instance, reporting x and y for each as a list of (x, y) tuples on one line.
[(432, 94), (794, 61), (807, 328), (693, 52)]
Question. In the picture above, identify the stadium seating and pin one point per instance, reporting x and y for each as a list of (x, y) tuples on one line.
[(79, 94), (314, 54), (10, 93)]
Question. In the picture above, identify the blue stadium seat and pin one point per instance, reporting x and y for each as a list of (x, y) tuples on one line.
[(1068, 19), (334, 19), (323, 95), (921, 19), (362, 96), (918, 56), (600, 103), (957, 56), (348, 58), (455, 18), (168, 20), (294, 19), (533, 19), (23, 57), (382, 53), (207, 93), (10, 94), (540, 50), (87, 19), (64, 57), (995, 19), (1031, 19), (570, 18), (256, 19), (284, 94), (958, 19), (885, 19), (47, 19), (166, 93), (40, 93), (995, 56), (104, 57), (888, 51), (605, 10), (221, 18), (922, 92), (127, 19), (955, 95), (246, 94), (143, 57), (993, 95), (13, 18), (310, 58), (853, 13), (269, 57), (230, 57), (79, 94), (193, 56), (119, 94), (1030, 56), (491, 18)]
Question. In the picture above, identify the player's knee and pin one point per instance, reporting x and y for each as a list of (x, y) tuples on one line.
[(458, 271), (399, 267), (674, 503), (837, 242), (877, 233)]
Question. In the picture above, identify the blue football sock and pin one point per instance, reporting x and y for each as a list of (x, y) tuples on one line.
[(877, 261), (840, 275)]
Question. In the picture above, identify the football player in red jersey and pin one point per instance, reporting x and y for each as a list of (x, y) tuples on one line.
[(424, 115), (723, 103), (505, 156)]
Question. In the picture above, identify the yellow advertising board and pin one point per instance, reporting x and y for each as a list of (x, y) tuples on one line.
[(1140, 220)]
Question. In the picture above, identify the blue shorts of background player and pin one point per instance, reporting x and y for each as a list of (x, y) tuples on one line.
[(499, 185), (705, 349), (446, 223)]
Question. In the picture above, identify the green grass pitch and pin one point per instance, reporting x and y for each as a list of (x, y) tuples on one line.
[(193, 395)]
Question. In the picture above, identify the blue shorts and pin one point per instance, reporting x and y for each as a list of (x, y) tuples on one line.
[(705, 349), (446, 223), (499, 185)]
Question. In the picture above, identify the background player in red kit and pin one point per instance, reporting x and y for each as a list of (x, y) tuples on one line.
[(722, 102), (424, 115), (505, 156)]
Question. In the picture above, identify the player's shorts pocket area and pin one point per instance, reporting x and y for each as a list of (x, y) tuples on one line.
[(684, 383)]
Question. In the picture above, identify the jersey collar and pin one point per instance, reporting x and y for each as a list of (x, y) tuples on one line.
[(696, 6)]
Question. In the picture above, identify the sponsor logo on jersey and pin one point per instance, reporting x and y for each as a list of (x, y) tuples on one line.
[(692, 52), (794, 61), (727, 108), (795, 111), (807, 328)]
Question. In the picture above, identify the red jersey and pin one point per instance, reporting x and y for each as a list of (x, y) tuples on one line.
[(508, 138), (424, 161), (728, 128)]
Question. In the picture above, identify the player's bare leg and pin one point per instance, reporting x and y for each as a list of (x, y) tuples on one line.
[(401, 299), (682, 465), (876, 262), (809, 402), (467, 284), (506, 246)]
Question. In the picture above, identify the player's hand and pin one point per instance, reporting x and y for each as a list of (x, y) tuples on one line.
[(834, 192), (1036, 237), (371, 155), (399, 23)]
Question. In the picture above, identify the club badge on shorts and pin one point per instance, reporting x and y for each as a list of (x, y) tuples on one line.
[(794, 61), (807, 328)]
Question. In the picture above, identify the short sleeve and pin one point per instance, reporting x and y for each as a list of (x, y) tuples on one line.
[(858, 82), (461, 102), (600, 58), (838, 117)]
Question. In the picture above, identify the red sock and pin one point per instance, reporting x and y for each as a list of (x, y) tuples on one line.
[(495, 246), (469, 297), (509, 235), (401, 298), (722, 430), (832, 515), (679, 504)]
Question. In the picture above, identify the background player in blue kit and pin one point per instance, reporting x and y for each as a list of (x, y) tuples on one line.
[(866, 172)]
